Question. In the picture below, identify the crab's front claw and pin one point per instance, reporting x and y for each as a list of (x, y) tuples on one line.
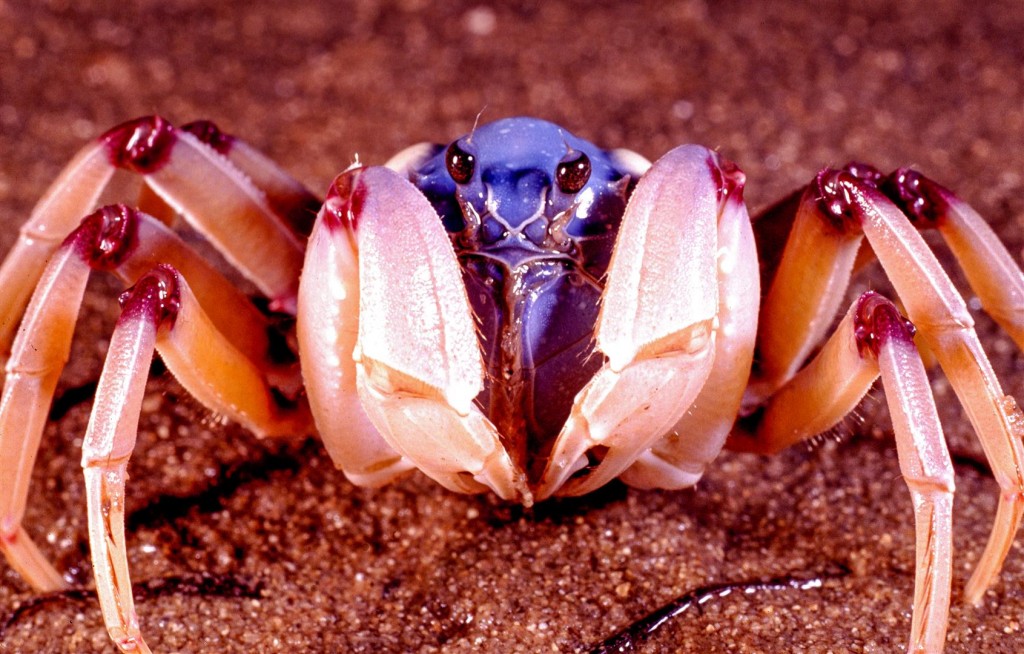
[(660, 323), (388, 342)]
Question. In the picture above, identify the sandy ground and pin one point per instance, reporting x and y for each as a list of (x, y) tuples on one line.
[(247, 546)]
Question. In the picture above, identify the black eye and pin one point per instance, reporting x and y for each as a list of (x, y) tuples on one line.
[(573, 172), (460, 163)]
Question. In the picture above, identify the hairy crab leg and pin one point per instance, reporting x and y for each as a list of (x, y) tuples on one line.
[(872, 339), (417, 361), (657, 326), (678, 460), (127, 243)]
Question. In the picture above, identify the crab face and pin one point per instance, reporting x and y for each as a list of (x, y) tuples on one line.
[(532, 212)]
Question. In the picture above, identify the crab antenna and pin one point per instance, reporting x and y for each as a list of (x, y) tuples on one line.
[(476, 123), (565, 141)]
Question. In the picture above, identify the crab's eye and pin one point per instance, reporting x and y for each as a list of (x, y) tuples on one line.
[(460, 163), (573, 172)]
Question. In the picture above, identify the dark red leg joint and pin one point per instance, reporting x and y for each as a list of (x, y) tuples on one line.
[(142, 145), (106, 237), (155, 297), (208, 132), (877, 320)]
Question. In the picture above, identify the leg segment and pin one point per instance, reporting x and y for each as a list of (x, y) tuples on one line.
[(72, 195), (215, 198), (109, 441), (989, 267), (874, 339), (288, 198), (32, 373), (159, 312), (658, 323), (804, 296)]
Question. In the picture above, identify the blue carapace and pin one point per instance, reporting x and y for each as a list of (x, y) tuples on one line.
[(533, 213)]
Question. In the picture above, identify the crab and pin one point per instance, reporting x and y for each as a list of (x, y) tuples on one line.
[(518, 311)]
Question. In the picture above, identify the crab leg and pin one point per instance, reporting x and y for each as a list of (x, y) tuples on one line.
[(159, 312), (32, 373), (999, 283), (850, 201), (72, 195), (658, 322), (874, 339), (127, 243), (947, 329), (288, 198), (196, 178), (989, 267), (416, 363), (805, 294), (221, 203), (109, 441)]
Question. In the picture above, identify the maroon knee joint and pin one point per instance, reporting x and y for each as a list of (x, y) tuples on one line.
[(921, 199), (833, 189), (208, 132), (106, 237), (142, 145), (154, 297), (876, 320)]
